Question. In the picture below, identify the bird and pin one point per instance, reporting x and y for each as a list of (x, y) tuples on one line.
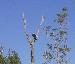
[(34, 36)]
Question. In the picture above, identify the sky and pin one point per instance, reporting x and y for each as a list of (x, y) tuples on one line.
[(12, 31)]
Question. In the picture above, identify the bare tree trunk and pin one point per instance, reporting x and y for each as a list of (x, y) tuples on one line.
[(32, 54)]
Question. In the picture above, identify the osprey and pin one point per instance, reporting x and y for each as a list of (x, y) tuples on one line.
[(34, 36)]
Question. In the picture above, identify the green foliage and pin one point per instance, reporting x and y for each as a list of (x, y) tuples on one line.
[(11, 59), (14, 58), (58, 49), (62, 32), (62, 16), (2, 61)]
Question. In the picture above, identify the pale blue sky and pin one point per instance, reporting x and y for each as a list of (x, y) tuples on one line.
[(11, 25)]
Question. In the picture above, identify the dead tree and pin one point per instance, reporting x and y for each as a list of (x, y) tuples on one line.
[(32, 40)]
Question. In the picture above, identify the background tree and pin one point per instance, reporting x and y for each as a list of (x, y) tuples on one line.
[(57, 46), (12, 58), (2, 59)]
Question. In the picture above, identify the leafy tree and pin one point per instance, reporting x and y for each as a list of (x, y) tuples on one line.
[(14, 58), (2, 59), (58, 49)]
